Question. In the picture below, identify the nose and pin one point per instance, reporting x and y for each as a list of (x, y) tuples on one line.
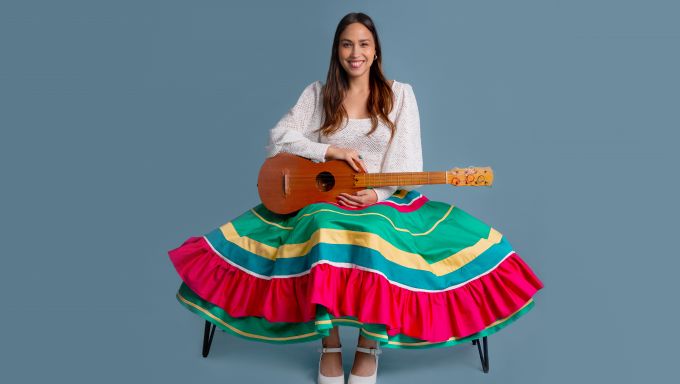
[(354, 50)]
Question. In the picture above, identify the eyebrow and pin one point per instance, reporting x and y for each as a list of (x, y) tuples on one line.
[(351, 40)]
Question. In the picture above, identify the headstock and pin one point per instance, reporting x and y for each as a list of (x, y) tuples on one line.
[(470, 176)]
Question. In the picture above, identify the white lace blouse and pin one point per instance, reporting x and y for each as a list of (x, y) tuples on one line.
[(295, 133)]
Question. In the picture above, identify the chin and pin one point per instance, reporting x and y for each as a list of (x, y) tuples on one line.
[(355, 74)]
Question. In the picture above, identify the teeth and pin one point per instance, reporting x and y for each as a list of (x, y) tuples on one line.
[(355, 63)]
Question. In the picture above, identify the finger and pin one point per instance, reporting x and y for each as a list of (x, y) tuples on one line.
[(363, 166), (361, 197), (348, 194), (368, 196), (342, 200), (352, 163), (357, 165), (353, 198), (366, 193), (357, 200), (348, 201)]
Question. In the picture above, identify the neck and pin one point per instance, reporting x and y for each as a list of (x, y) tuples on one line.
[(359, 84), (399, 178)]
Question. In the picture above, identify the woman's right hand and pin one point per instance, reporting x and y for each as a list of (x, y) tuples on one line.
[(352, 157)]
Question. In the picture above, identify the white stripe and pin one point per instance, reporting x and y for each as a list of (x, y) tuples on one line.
[(353, 266)]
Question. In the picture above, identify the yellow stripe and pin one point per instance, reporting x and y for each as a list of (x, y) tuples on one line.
[(250, 245), (363, 239), (333, 321), (240, 332), (466, 255), (448, 212), (347, 321), (269, 222), (374, 334), (401, 193)]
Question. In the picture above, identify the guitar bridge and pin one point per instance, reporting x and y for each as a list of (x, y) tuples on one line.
[(286, 185)]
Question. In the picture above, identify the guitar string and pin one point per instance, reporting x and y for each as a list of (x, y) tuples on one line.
[(390, 179), (366, 179), (405, 177)]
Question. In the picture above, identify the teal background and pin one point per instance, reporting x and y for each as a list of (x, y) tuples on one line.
[(128, 126)]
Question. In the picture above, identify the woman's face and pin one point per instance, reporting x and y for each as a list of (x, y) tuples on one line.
[(356, 50)]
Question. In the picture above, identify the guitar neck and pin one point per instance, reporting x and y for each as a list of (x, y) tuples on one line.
[(470, 176), (399, 178)]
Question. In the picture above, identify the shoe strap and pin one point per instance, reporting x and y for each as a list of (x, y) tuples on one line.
[(370, 351), (327, 350)]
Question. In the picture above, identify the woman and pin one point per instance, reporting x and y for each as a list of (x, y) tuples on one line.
[(407, 271)]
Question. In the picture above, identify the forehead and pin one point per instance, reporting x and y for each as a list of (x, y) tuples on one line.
[(356, 32)]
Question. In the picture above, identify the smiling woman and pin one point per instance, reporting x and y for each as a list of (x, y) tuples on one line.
[(408, 271), (355, 82)]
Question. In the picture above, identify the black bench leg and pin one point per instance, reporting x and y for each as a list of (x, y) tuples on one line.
[(483, 356), (208, 334)]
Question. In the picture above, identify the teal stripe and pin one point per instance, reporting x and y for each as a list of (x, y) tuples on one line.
[(365, 257)]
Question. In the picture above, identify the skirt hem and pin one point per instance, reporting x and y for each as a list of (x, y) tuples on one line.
[(259, 329)]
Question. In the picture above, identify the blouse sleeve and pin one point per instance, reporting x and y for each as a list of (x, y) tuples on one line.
[(404, 153), (295, 134)]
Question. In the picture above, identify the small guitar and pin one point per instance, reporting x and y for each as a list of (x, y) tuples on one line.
[(287, 182)]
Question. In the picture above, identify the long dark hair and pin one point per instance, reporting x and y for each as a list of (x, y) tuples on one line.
[(381, 97)]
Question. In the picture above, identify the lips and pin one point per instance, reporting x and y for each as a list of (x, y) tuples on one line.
[(356, 64)]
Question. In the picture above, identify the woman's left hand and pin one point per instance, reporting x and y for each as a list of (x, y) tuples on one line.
[(360, 199)]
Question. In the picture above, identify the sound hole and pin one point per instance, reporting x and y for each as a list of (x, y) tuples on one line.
[(325, 181)]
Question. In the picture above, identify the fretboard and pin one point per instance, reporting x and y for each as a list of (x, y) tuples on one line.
[(399, 178)]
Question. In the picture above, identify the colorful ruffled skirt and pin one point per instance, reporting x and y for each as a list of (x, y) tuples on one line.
[(408, 271)]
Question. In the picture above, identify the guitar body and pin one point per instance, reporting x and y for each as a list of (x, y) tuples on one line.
[(287, 183)]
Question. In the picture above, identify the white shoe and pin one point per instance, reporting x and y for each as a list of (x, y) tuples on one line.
[(330, 379), (354, 379)]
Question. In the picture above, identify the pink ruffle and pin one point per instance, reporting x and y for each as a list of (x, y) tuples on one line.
[(370, 297)]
